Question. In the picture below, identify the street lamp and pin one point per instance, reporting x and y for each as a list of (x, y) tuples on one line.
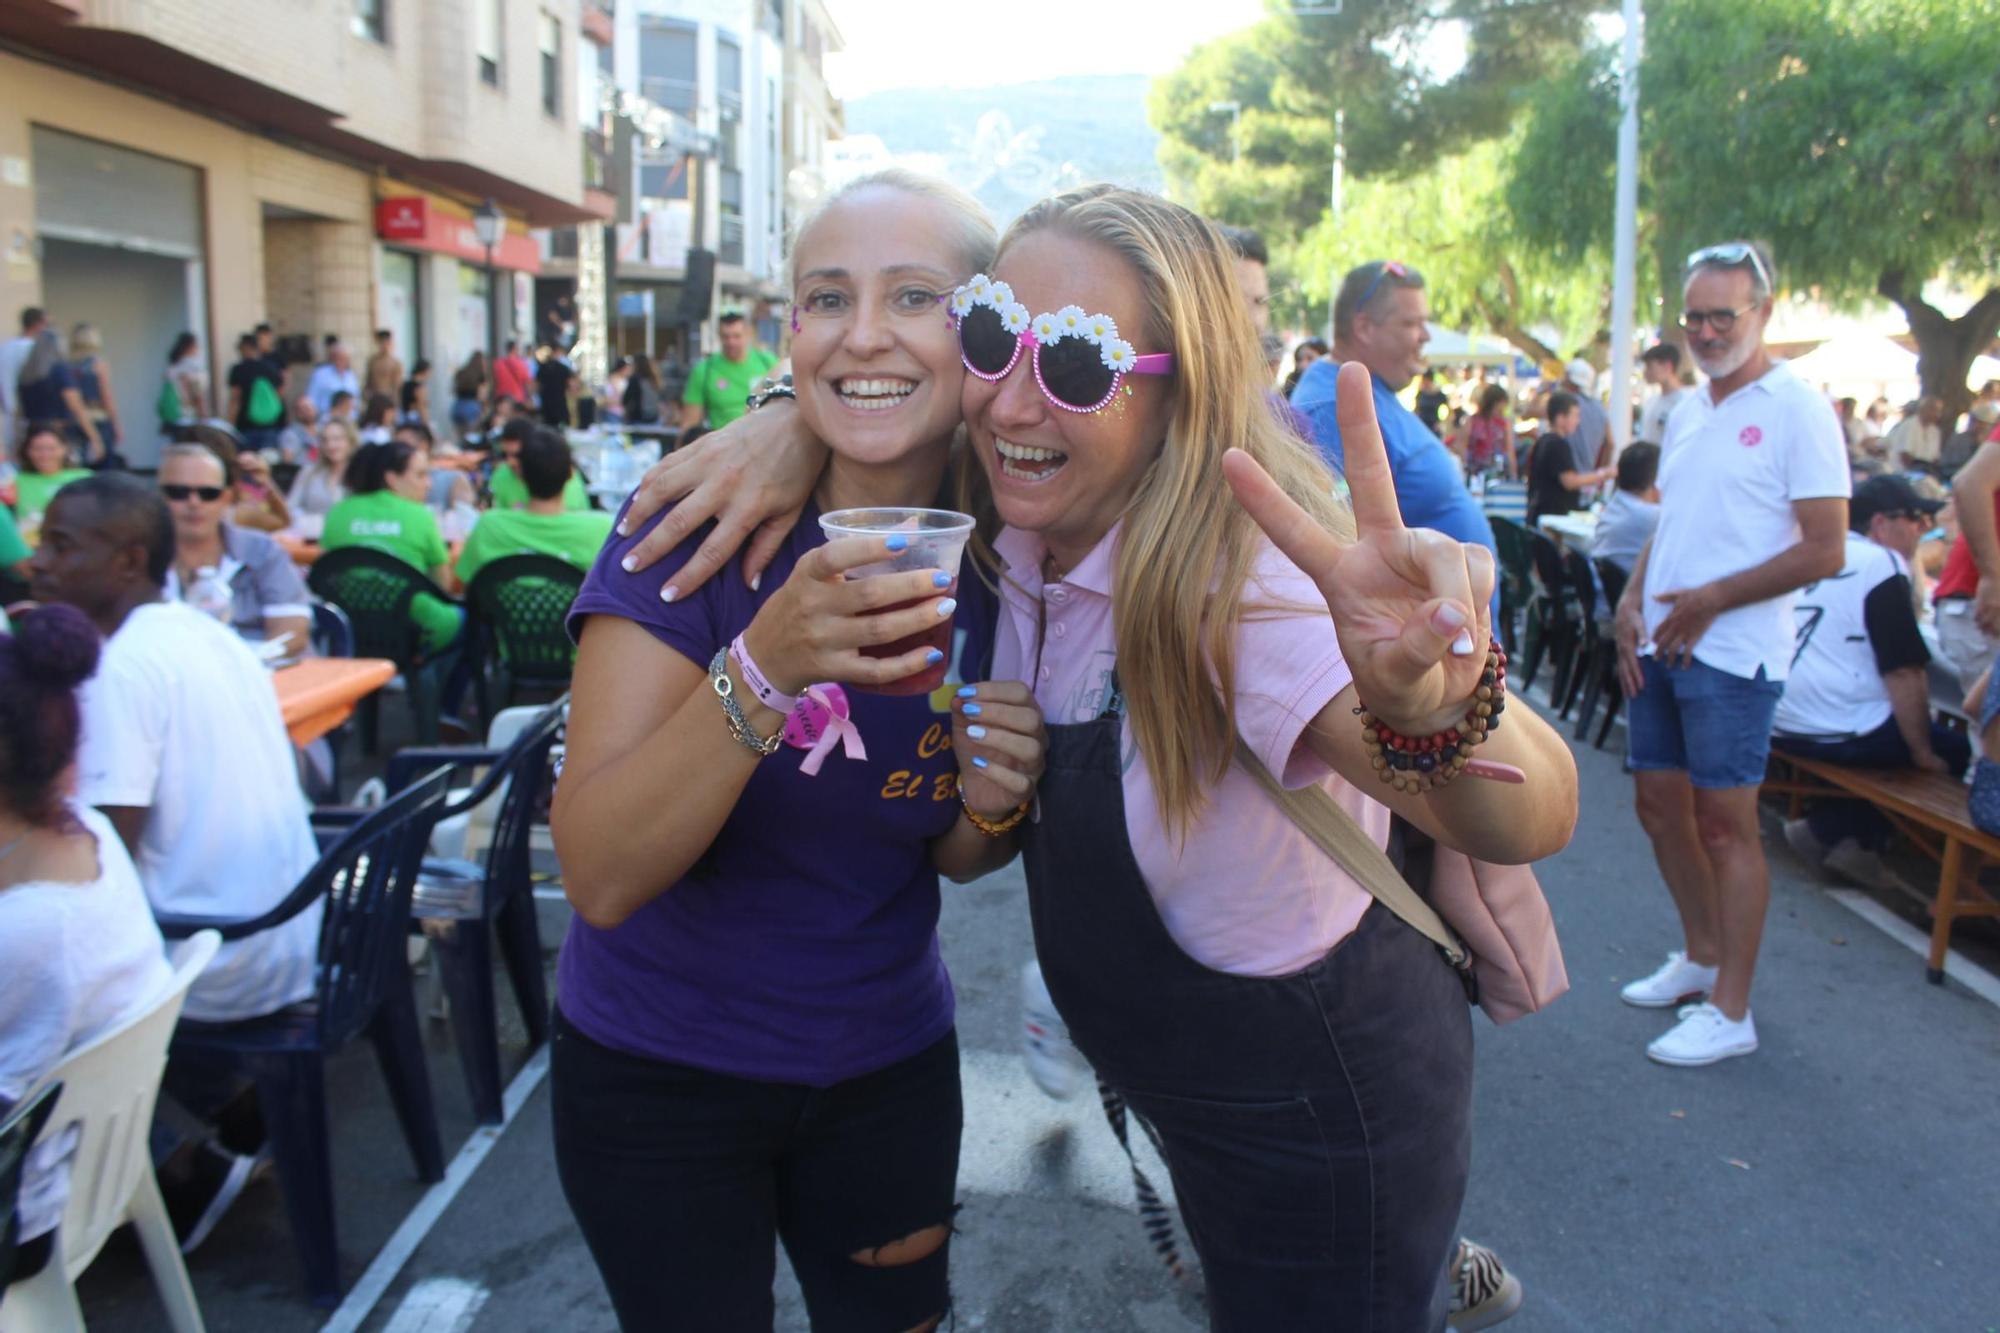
[(1235, 112), (490, 225)]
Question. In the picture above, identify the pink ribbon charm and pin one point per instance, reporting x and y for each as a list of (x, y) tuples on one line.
[(820, 722)]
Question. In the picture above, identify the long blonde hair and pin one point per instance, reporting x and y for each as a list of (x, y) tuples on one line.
[(1187, 548)]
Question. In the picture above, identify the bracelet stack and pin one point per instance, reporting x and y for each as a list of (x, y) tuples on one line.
[(1425, 763), (739, 725)]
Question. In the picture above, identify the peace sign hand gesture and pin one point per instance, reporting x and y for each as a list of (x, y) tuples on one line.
[(1411, 606)]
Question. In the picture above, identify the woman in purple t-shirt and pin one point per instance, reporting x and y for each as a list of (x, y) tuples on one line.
[(754, 1035)]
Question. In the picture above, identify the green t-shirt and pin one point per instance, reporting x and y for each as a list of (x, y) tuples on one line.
[(12, 549), (33, 490), (573, 537), (385, 521), (721, 387), (510, 492)]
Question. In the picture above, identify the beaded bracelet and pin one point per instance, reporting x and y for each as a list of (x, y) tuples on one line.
[(994, 828), (1425, 763)]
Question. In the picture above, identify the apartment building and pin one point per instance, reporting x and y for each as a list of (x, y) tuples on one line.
[(320, 164)]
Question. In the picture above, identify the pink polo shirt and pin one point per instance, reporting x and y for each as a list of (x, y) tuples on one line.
[(1246, 892)]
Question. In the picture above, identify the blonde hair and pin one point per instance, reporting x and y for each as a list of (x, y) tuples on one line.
[(1187, 547), (972, 245), (84, 340), (345, 427)]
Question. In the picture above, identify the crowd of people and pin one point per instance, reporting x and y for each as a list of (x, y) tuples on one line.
[(1220, 657)]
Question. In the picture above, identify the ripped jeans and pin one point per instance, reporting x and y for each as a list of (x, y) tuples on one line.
[(682, 1180)]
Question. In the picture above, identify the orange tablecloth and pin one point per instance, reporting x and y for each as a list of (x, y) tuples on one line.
[(319, 694), (302, 550)]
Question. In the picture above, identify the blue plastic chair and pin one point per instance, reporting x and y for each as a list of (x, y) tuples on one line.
[(365, 879), (460, 905)]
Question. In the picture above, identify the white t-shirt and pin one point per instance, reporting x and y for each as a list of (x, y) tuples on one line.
[(75, 959), (1729, 475), (181, 719), (1653, 416), (1851, 628)]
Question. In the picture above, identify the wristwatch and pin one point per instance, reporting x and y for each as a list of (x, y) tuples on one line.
[(770, 387)]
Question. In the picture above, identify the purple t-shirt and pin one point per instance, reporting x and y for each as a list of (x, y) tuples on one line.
[(802, 946)]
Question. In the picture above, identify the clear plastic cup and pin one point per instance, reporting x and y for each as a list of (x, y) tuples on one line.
[(937, 541)]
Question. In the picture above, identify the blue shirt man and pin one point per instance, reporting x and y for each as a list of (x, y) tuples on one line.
[(1429, 488)]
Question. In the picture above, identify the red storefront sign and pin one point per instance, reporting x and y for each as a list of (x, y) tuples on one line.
[(417, 223)]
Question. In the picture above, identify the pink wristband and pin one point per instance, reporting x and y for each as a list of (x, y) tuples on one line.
[(767, 693)]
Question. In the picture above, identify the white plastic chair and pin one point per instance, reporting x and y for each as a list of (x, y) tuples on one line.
[(109, 1088)]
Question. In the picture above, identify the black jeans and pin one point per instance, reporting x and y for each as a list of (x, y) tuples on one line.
[(1833, 821), (683, 1180)]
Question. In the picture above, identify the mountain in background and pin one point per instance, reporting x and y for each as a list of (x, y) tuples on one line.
[(1012, 145)]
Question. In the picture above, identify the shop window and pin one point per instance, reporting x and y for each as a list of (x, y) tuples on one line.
[(492, 23), (551, 45), (371, 20)]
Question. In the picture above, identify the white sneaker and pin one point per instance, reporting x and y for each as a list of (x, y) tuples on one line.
[(1705, 1036), (1799, 835), (1056, 1066), (1677, 981)]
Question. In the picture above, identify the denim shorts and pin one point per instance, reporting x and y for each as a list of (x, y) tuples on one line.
[(1713, 725)]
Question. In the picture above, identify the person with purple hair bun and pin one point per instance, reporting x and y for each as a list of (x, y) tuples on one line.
[(78, 947)]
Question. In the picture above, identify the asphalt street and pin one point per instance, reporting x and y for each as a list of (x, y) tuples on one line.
[(1840, 1179)]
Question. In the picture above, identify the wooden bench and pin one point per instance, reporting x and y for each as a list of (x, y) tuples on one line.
[(1927, 808)]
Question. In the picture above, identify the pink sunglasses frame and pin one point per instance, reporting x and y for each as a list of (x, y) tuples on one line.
[(1153, 363)]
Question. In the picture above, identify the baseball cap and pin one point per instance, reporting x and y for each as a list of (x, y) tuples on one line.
[(1886, 495), (1580, 373)]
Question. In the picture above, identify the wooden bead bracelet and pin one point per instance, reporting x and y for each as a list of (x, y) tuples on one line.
[(1425, 763)]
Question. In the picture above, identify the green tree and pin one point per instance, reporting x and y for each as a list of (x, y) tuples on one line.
[(1270, 165), (1857, 137)]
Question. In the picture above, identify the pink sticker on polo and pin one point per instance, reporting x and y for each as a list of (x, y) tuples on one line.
[(1750, 437)]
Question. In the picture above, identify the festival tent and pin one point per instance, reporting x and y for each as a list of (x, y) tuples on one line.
[(1866, 366)]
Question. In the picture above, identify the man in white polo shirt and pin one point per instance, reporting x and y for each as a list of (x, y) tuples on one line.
[(1754, 485)]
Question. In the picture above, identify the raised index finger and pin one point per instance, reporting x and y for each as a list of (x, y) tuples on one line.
[(1370, 487)]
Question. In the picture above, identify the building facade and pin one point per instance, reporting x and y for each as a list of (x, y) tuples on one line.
[(207, 165)]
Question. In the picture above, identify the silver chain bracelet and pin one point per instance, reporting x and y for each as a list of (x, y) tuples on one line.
[(739, 725)]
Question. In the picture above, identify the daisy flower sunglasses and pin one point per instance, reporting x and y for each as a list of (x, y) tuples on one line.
[(1079, 360)]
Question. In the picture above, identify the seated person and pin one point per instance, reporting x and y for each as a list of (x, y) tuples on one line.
[(505, 487), (258, 503), (1859, 692), (449, 486), (45, 469), (295, 441), (546, 525), (318, 487), (385, 509), (175, 693), (78, 948), (1555, 484), (269, 597), (1628, 518)]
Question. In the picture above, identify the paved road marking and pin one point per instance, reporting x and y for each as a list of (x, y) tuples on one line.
[(382, 1272), (438, 1305), (1960, 969)]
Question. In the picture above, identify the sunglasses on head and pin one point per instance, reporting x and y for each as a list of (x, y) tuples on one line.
[(1390, 268), (1734, 254), (1079, 359), (209, 494)]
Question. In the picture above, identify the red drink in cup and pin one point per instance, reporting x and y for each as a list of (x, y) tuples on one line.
[(937, 541)]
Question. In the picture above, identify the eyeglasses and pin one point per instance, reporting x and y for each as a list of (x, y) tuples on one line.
[(1390, 268), (1722, 321), (1734, 254), (1079, 359), (208, 494)]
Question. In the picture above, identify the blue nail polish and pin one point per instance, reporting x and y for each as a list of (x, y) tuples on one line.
[(978, 761), (976, 733), (897, 542), (934, 657), (967, 691), (972, 710), (947, 606), (940, 580)]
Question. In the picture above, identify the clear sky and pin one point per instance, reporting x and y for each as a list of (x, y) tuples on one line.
[(926, 43)]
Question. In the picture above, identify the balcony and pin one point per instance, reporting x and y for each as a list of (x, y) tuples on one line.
[(681, 96)]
